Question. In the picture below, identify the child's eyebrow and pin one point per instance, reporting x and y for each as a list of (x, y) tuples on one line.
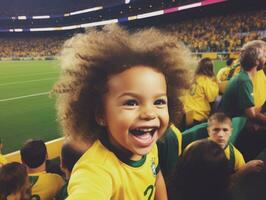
[(132, 94)]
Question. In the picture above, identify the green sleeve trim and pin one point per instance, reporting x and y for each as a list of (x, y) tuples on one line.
[(231, 162), (33, 180)]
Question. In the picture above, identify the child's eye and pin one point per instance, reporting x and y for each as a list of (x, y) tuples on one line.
[(160, 102), (130, 102)]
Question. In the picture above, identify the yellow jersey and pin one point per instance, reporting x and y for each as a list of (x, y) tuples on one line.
[(223, 74), (259, 88), (100, 174), (198, 98), (45, 186)]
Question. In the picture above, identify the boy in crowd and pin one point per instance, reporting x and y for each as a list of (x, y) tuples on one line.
[(220, 130)]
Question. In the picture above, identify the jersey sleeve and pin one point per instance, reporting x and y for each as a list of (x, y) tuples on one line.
[(239, 159), (211, 90), (169, 149), (90, 181)]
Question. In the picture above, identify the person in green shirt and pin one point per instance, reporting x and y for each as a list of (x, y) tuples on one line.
[(238, 99)]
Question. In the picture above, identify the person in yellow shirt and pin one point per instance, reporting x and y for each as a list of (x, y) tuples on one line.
[(3, 160), (203, 92), (45, 186), (118, 90), (223, 72)]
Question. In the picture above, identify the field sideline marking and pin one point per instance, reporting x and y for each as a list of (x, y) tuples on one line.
[(19, 75), (34, 80), (23, 97)]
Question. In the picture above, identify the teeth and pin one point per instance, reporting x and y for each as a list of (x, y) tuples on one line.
[(144, 129)]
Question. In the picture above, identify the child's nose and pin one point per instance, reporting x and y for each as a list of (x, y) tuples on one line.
[(147, 113)]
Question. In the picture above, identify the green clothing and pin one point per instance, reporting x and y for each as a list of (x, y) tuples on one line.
[(62, 195), (238, 95), (169, 150)]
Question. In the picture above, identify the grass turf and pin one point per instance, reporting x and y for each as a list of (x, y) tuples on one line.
[(32, 116), (22, 116)]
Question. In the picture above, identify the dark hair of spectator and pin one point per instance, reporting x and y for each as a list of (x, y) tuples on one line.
[(205, 67), (12, 179), (69, 156), (33, 153), (229, 61), (201, 173)]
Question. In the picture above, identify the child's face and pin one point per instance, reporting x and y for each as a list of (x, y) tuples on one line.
[(136, 111), (220, 132)]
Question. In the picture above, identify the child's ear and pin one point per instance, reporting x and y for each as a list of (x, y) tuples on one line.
[(99, 117), (100, 120)]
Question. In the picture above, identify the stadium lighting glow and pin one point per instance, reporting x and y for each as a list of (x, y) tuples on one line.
[(127, 1), (44, 29), (70, 27), (150, 14), (207, 2), (132, 18), (86, 10), (170, 10), (193, 5), (22, 17), (18, 30), (101, 23), (41, 17)]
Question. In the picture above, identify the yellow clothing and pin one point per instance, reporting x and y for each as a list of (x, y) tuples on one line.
[(198, 98), (239, 159), (3, 160), (45, 185), (259, 86), (237, 70), (101, 175), (223, 74)]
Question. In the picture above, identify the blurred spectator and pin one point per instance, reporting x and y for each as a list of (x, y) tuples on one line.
[(2, 158), (223, 72), (14, 182), (69, 156), (45, 185), (201, 173), (203, 91)]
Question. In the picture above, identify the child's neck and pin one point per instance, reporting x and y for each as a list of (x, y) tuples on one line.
[(117, 150)]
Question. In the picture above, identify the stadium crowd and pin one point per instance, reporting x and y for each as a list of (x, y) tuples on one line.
[(222, 33), (15, 47), (213, 34)]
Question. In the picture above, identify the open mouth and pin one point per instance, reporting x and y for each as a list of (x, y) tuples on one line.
[(143, 131), (143, 136)]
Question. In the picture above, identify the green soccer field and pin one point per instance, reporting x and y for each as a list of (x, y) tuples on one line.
[(26, 111)]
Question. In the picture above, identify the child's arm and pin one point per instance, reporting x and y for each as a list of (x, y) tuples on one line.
[(160, 188)]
